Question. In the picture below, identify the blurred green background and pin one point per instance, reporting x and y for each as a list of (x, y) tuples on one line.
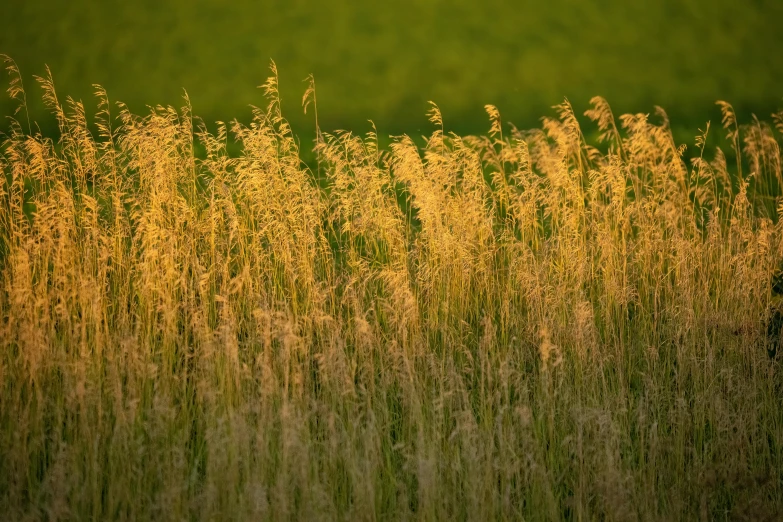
[(384, 60)]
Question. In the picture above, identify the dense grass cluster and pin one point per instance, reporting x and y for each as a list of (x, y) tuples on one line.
[(511, 326)]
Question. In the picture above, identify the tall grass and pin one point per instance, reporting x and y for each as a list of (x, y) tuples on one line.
[(510, 326)]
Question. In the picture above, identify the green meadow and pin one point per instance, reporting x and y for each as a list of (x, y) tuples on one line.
[(520, 301), (383, 61)]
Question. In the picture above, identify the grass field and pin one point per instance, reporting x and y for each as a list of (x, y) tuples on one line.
[(383, 61), (510, 325)]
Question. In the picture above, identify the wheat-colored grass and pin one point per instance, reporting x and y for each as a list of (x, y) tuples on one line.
[(510, 326)]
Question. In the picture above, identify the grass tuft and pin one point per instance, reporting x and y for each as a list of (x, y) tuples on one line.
[(520, 325)]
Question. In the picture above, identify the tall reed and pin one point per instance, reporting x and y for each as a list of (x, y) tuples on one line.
[(519, 325)]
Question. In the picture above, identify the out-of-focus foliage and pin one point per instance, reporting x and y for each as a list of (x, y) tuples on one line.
[(384, 60)]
